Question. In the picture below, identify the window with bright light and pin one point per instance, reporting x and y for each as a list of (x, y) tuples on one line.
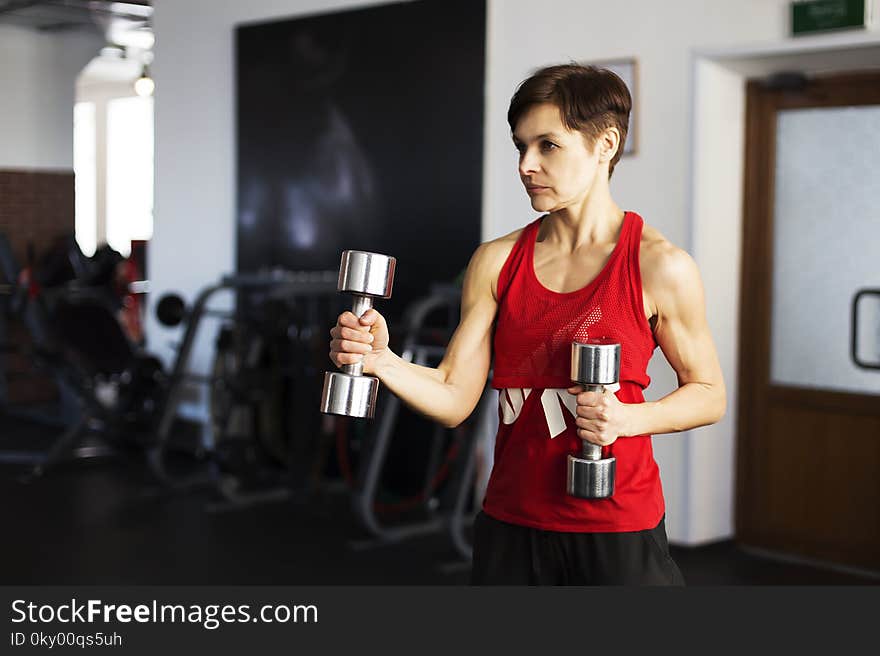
[(85, 170), (129, 171)]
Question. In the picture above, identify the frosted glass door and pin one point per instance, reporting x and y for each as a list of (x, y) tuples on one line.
[(826, 245)]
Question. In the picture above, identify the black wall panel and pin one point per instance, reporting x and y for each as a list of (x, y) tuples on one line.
[(363, 130)]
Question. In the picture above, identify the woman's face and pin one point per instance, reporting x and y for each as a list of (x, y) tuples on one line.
[(555, 164)]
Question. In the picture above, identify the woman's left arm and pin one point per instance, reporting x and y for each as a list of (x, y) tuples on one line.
[(672, 281)]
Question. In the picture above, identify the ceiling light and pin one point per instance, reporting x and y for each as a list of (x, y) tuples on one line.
[(144, 85)]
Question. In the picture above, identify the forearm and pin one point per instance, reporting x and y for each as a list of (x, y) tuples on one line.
[(424, 389), (690, 406)]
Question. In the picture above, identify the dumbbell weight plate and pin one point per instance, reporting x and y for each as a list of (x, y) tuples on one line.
[(170, 310), (349, 396), (367, 274), (596, 362), (590, 479)]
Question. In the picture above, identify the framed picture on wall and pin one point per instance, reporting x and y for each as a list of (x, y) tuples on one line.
[(627, 69)]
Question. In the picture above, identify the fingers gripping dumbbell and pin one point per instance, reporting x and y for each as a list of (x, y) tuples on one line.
[(594, 365), (366, 276)]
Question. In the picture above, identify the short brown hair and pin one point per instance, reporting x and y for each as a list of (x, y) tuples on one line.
[(590, 100)]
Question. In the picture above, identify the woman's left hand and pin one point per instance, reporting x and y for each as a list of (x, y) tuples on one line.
[(600, 418)]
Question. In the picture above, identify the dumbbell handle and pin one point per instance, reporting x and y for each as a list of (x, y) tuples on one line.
[(592, 451), (359, 306)]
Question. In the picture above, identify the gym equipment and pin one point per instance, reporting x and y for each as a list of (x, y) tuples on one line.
[(171, 310), (366, 276), (117, 387), (25, 302), (239, 378), (475, 475), (447, 500), (594, 364), (108, 389)]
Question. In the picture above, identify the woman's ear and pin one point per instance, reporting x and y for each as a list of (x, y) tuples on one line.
[(609, 142)]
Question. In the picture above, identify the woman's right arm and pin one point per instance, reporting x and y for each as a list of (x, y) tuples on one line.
[(449, 393)]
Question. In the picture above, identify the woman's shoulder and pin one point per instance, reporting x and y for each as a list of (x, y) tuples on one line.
[(663, 264), (489, 258), (654, 243), (496, 251)]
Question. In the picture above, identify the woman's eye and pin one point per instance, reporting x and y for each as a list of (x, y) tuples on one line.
[(549, 145)]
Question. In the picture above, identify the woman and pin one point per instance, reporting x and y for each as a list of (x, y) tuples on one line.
[(584, 269)]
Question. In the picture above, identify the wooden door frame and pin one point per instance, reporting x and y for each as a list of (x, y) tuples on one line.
[(754, 387)]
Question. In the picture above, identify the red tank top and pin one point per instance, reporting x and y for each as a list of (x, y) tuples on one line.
[(532, 358)]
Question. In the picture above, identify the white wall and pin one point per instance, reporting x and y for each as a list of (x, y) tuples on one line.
[(37, 89), (194, 238)]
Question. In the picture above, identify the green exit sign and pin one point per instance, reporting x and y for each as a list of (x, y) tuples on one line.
[(813, 16)]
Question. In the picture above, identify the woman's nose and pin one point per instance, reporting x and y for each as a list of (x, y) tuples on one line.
[(528, 163)]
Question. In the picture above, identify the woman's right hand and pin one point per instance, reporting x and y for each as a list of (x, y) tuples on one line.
[(363, 339)]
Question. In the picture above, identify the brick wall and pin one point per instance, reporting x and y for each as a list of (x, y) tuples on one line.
[(35, 207)]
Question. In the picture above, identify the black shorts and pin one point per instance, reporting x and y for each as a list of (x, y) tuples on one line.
[(508, 554)]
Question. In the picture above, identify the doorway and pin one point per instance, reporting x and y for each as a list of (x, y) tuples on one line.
[(808, 431)]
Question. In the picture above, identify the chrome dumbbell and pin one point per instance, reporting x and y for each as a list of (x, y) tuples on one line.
[(594, 364), (366, 276)]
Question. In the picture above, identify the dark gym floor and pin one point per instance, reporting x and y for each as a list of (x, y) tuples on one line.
[(100, 522)]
